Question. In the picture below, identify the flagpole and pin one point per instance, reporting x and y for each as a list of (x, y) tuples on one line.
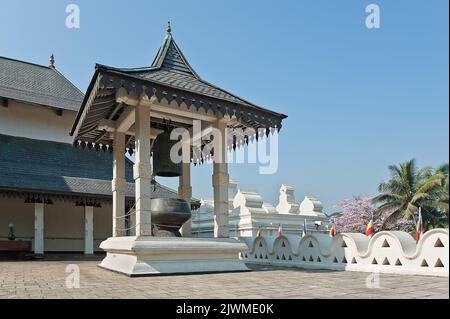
[(420, 216), (419, 225)]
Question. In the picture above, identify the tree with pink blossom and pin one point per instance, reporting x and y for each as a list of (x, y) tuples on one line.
[(356, 213)]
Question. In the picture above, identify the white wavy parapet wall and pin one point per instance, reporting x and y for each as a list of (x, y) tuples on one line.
[(386, 252)]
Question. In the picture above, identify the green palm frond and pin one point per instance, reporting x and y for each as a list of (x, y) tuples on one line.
[(394, 216), (410, 210), (419, 197), (387, 198), (443, 169), (410, 188), (389, 207), (432, 183)]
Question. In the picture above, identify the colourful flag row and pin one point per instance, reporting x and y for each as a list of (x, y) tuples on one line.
[(369, 229)]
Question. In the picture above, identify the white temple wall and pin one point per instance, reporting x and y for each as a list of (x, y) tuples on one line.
[(250, 215), (387, 252), (248, 224), (63, 224), (36, 122)]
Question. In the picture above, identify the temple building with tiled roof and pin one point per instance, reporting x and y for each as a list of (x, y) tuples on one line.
[(66, 184)]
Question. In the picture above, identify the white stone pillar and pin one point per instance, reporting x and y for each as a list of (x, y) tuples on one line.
[(185, 192), (88, 230), (220, 183), (142, 171), (38, 228), (118, 185)]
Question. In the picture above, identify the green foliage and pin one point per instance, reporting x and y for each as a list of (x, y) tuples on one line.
[(410, 188)]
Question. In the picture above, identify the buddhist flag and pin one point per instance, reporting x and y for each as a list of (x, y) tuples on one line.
[(280, 231), (305, 228), (369, 229), (420, 229), (333, 230)]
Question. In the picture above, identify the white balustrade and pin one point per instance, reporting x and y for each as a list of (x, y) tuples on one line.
[(386, 252)]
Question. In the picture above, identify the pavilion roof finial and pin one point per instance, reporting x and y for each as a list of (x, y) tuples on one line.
[(169, 28)]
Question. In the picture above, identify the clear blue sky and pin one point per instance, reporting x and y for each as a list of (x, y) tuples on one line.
[(357, 99)]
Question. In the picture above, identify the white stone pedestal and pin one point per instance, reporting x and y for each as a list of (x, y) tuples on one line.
[(145, 255)]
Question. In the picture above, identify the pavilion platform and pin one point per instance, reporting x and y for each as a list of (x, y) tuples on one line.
[(144, 256)]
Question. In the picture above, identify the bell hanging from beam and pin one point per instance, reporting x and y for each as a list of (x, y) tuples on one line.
[(162, 164)]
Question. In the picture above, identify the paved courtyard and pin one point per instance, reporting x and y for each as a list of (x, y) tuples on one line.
[(47, 279)]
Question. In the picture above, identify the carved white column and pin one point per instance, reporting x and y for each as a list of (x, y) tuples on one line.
[(38, 228), (88, 230), (232, 192), (143, 171), (220, 184), (119, 184), (185, 192)]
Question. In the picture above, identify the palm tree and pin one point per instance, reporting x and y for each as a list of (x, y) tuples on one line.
[(443, 198), (407, 189), (441, 201)]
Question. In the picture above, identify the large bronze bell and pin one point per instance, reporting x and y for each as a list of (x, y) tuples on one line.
[(162, 164)]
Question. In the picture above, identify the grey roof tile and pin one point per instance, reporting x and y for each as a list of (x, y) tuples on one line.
[(37, 84), (171, 68), (27, 164), (170, 77)]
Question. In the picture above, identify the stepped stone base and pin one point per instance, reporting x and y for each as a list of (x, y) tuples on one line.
[(146, 256)]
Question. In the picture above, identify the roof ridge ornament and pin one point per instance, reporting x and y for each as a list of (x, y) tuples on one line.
[(169, 28), (52, 61)]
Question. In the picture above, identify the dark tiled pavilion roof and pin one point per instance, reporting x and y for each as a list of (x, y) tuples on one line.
[(171, 68), (170, 77), (28, 165), (37, 84)]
